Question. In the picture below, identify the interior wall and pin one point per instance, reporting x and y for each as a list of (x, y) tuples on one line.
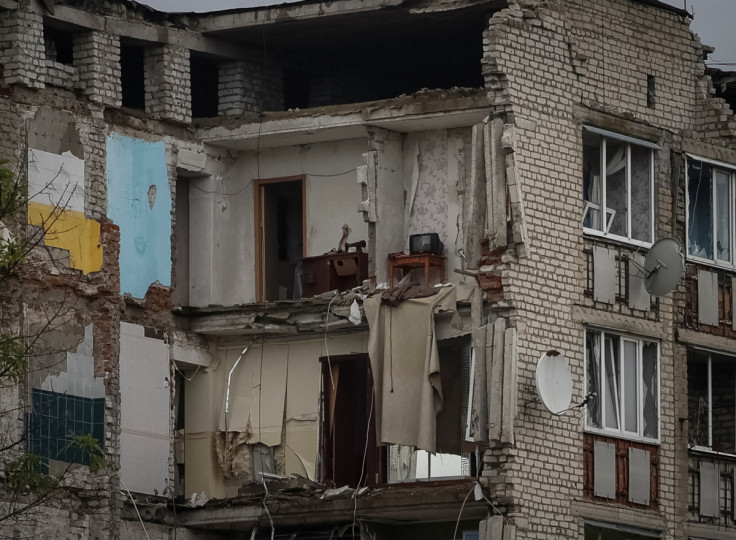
[(145, 411), (434, 178), (222, 270), (205, 395)]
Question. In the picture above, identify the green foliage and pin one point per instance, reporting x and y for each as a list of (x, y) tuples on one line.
[(13, 361), (11, 195), (24, 475), (90, 446)]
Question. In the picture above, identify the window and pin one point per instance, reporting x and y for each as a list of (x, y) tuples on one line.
[(711, 401), (618, 176), (623, 373), (710, 211), (56, 419)]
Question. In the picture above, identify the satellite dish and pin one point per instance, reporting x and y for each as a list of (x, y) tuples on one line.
[(664, 266), (554, 382)]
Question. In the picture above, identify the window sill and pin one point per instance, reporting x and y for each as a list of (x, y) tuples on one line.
[(622, 436), (703, 451), (593, 234), (710, 263)]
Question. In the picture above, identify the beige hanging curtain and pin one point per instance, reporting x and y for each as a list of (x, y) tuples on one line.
[(406, 367)]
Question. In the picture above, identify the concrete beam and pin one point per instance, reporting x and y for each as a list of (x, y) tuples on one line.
[(339, 122), (289, 12), (426, 504), (152, 33)]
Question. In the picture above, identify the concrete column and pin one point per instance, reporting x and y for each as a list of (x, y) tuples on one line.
[(24, 56)]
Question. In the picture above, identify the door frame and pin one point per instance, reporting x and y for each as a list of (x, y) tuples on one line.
[(259, 185)]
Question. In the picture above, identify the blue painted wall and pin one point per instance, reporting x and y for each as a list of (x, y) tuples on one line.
[(133, 167)]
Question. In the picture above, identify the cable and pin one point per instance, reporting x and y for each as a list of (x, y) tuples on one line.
[(459, 515), (182, 374), (265, 507), (258, 173), (136, 508), (327, 349), (362, 467)]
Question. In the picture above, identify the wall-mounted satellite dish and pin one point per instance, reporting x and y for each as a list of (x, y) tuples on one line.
[(554, 382), (663, 267)]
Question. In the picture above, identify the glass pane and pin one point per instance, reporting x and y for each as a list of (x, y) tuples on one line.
[(446, 466), (700, 209), (422, 466), (631, 387), (650, 385), (592, 367), (723, 396), (402, 464), (592, 181), (641, 193), (723, 217), (616, 194), (697, 399), (612, 382)]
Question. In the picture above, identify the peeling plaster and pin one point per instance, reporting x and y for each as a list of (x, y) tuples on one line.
[(78, 377), (136, 173), (56, 203)]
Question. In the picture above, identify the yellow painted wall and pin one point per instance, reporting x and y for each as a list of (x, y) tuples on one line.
[(70, 230)]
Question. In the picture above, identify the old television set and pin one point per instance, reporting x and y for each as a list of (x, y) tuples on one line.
[(425, 243)]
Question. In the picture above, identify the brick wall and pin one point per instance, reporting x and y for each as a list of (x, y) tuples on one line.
[(167, 83), (247, 87), (97, 60), (550, 68)]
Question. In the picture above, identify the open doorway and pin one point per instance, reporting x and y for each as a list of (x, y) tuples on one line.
[(280, 241)]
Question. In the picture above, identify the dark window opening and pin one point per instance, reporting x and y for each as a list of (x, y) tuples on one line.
[(204, 74), (296, 89), (132, 76), (59, 45), (347, 419), (354, 58), (651, 91), (280, 236)]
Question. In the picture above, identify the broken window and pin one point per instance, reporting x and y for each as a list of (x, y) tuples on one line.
[(618, 187), (711, 398), (710, 223), (623, 374), (132, 80), (279, 237)]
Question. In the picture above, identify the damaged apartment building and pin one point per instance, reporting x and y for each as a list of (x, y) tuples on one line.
[(304, 268)]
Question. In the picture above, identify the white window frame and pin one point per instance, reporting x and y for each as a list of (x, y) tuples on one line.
[(607, 220), (731, 171), (621, 431), (709, 448)]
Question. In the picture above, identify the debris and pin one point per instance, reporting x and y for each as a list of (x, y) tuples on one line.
[(198, 500), (355, 316)]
